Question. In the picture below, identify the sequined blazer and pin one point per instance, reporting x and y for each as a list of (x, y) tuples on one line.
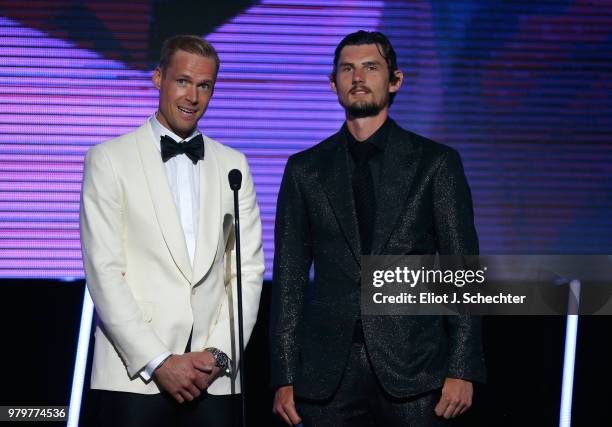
[(424, 206)]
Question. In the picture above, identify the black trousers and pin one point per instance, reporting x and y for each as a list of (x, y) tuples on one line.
[(119, 409), (361, 401)]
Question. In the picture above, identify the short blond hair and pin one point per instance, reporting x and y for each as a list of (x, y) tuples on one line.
[(187, 43)]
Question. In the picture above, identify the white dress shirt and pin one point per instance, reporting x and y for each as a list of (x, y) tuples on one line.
[(184, 180)]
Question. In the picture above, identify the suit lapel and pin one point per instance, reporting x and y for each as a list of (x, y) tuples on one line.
[(335, 179), (209, 222), (163, 202), (400, 163)]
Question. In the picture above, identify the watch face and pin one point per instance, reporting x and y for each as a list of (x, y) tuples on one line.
[(221, 359), (223, 362)]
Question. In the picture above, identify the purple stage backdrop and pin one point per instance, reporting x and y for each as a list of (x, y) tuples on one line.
[(522, 90)]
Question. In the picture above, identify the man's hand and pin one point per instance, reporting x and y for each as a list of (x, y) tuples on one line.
[(212, 371), (284, 405), (184, 376), (456, 398)]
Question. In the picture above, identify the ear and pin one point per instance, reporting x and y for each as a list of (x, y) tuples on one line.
[(157, 78), (399, 78), (332, 83)]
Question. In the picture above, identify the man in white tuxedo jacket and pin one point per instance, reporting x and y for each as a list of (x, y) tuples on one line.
[(158, 248)]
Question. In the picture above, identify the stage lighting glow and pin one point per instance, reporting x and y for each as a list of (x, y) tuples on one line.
[(569, 357), (80, 364)]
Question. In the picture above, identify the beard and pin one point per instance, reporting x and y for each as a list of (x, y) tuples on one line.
[(361, 109)]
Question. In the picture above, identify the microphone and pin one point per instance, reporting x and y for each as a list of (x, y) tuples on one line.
[(235, 179), (235, 182)]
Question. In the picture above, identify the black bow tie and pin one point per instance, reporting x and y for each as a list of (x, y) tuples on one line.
[(194, 148)]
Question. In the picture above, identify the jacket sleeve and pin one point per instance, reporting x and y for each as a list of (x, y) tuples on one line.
[(101, 226), (292, 260), (456, 234)]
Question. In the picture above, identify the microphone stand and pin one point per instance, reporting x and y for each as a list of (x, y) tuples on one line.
[(235, 181)]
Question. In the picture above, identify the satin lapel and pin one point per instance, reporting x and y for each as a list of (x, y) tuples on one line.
[(400, 163), (335, 180), (209, 223), (163, 202)]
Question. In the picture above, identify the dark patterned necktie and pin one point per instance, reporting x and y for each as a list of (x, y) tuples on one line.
[(363, 193), (194, 148)]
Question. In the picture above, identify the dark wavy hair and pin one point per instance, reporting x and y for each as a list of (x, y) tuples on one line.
[(377, 38)]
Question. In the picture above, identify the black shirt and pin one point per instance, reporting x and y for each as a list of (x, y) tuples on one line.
[(379, 139)]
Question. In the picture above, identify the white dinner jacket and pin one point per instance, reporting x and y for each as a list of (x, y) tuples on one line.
[(146, 293)]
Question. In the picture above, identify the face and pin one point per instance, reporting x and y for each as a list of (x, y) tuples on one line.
[(185, 89), (362, 81)]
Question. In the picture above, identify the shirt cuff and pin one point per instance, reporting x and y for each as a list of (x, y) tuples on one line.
[(147, 373)]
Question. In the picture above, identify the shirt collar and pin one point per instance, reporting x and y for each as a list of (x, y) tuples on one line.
[(378, 138), (160, 130)]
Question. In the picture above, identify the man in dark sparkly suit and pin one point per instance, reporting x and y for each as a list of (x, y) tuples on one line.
[(371, 188)]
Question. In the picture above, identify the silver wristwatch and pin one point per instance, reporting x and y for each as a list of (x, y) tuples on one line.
[(221, 360)]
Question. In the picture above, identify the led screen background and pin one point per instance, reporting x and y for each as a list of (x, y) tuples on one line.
[(522, 90)]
